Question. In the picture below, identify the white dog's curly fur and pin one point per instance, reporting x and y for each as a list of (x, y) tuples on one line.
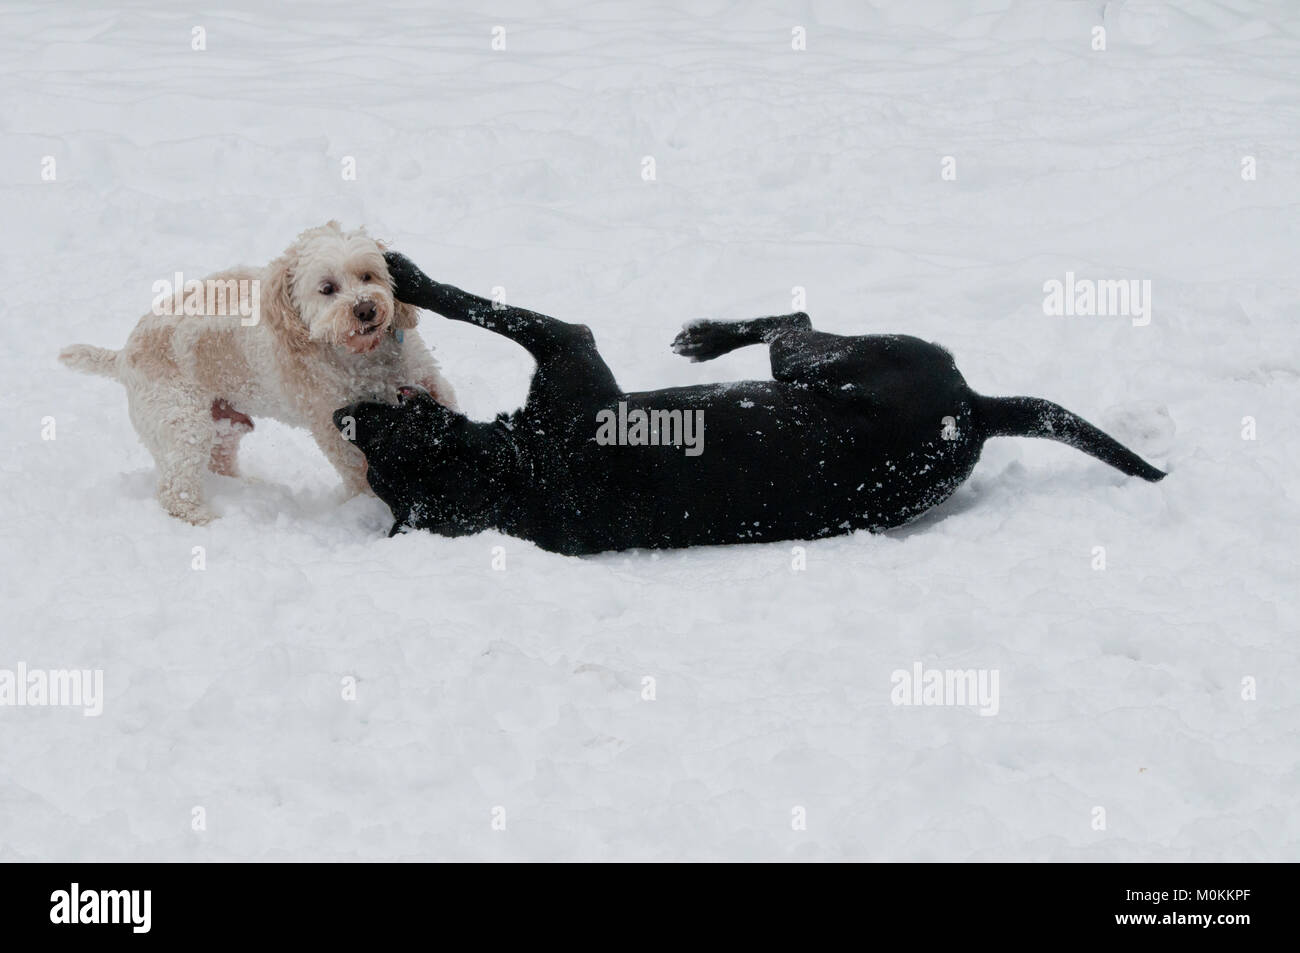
[(326, 332)]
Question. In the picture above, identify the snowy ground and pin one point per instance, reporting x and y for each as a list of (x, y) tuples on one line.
[(479, 689)]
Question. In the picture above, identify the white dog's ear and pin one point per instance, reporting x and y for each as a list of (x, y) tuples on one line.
[(278, 307), (405, 316)]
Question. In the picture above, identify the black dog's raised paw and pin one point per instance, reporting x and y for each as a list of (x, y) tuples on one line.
[(410, 284)]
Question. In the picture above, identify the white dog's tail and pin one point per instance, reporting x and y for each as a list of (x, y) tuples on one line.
[(90, 359)]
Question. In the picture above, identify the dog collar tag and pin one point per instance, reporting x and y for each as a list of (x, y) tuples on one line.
[(397, 333)]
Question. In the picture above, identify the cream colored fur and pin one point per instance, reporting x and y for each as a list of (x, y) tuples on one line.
[(193, 380)]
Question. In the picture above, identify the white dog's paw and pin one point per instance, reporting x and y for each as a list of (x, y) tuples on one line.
[(192, 511), (354, 487)]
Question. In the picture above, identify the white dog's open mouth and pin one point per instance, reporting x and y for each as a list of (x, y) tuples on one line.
[(360, 340)]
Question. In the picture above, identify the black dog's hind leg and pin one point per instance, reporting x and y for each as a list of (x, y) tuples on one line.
[(799, 354), (561, 349), (847, 367), (705, 339)]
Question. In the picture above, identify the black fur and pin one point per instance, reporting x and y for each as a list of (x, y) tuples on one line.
[(853, 433)]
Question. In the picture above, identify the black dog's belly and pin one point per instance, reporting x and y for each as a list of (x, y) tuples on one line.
[(773, 462)]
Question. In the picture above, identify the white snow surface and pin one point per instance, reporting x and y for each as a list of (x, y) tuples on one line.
[(518, 693)]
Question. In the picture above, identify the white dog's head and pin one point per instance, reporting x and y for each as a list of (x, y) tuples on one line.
[(332, 287)]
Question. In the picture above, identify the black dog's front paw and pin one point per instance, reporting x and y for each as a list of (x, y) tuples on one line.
[(410, 284)]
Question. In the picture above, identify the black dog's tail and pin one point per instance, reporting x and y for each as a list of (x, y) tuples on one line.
[(1033, 417)]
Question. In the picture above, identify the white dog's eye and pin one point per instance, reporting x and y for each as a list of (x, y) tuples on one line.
[(366, 277), (327, 289)]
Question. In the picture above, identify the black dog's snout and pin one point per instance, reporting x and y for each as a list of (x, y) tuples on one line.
[(366, 424), (344, 416), (365, 312)]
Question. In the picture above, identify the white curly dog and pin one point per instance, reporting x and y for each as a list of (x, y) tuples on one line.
[(324, 331)]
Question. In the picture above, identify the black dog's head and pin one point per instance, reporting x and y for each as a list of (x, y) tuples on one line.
[(435, 468)]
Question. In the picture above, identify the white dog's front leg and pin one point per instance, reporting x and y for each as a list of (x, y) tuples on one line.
[(419, 368), (440, 389), (343, 454)]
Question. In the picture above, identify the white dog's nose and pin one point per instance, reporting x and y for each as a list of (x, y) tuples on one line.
[(364, 311)]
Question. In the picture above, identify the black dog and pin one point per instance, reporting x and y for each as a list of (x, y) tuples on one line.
[(853, 433)]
